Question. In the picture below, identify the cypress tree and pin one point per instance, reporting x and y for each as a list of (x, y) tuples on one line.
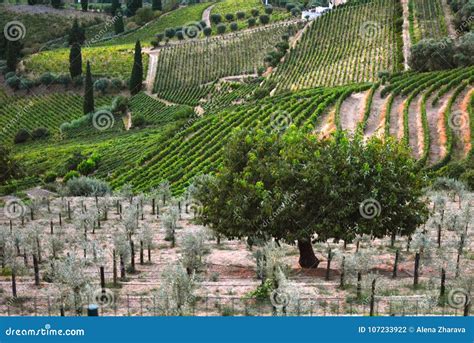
[(88, 92), (156, 5), (76, 34), (133, 6), (84, 5), (118, 23), (75, 60), (12, 54), (114, 7), (136, 78)]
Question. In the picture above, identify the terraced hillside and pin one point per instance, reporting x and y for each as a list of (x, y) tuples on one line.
[(183, 148), (352, 43), (427, 20), (428, 111), (196, 63), (48, 111), (113, 61)]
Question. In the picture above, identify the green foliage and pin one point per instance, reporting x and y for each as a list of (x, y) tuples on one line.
[(8, 166), (75, 61), (72, 174), (88, 91), (85, 186), (350, 44), (136, 78), (21, 136), (267, 183), (40, 133), (76, 34)]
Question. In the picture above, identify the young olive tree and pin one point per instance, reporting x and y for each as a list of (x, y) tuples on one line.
[(176, 292), (72, 282), (193, 250)]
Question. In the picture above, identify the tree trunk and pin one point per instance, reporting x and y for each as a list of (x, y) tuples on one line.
[(443, 284), (307, 257), (328, 267), (141, 253), (395, 264), (114, 267), (132, 256), (122, 268), (14, 283), (416, 272), (149, 254), (36, 269)]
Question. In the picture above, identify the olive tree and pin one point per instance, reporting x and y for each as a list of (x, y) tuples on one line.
[(296, 188)]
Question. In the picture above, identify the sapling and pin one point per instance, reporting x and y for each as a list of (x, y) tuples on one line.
[(358, 264), (164, 191), (146, 236), (71, 280), (170, 224), (126, 192), (269, 259), (193, 250), (122, 248), (176, 292)]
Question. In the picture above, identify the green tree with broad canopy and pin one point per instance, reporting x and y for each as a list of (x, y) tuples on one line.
[(298, 189)]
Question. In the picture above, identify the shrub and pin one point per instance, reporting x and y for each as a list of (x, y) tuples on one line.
[(229, 17), (86, 186), (268, 9), (216, 18), (234, 26), (240, 15), (180, 35), (21, 136), (221, 28), (207, 31), (295, 12), (71, 175), (468, 179), (194, 249), (139, 120), (50, 177), (86, 167), (13, 82), (143, 16), (47, 79), (101, 85), (264, 19), (169, 33), (40, 133), (73, 161), (255, 12), (251, 22)]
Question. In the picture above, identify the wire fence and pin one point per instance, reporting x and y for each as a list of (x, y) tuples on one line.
[(129, 305)]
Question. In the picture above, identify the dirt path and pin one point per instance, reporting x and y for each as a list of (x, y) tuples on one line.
[(395, 114), (206, 16), (151, 74), (449, 19), (435, 117), (376, 120), (166, 102), (352, 111), (406, 34), (326, 124), (459, 124), (415, 128)]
